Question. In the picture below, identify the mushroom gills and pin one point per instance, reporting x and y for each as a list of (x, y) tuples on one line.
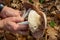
[(34, 20)]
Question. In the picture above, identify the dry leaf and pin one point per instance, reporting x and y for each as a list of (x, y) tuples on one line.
[(51, 32)]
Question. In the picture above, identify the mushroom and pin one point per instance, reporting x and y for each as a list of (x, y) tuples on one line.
[(37, 20)]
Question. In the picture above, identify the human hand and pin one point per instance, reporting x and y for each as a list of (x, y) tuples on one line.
[(12, 25), (9, 12)]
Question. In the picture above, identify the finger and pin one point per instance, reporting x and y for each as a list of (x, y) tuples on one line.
[(13, 26), (19, 12), (16, 19), (16, 26)]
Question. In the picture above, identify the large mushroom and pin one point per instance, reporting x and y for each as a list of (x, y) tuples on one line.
[(37, 20)]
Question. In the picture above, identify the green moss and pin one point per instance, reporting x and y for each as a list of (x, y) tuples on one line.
[(52, 24), (41, 1)]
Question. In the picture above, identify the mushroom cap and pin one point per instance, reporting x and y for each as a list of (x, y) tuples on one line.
[(33, 21)]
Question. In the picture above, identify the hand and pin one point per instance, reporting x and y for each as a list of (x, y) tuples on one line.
[(9, 12), (12, 25)]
